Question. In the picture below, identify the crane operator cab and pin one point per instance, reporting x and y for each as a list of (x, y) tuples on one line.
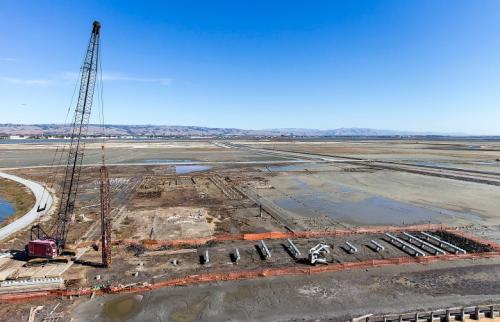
[(44, 248)]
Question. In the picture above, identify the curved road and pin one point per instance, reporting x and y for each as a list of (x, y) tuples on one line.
[(31, 215)]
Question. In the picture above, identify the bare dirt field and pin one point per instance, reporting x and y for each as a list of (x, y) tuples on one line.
[(23, 155), (336, 296), (205, 196), (170, 223)]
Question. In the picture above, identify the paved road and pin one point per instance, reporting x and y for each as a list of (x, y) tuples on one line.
[(31, 215)]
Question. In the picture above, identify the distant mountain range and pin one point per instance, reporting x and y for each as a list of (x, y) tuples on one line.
[(189, 131)]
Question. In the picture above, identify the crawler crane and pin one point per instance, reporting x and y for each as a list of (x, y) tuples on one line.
[(51, 244)]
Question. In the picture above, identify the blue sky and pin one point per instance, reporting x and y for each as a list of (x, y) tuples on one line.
[(402, 65)]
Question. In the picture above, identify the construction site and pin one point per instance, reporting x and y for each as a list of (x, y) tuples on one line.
[(239, 229)]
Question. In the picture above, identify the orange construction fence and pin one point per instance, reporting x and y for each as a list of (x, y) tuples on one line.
[(263, 272), (151, 243), (240, 275)]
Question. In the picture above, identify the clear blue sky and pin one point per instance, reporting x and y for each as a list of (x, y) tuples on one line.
[(402, 65)]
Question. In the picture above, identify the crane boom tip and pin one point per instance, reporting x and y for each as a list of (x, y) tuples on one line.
[(96, 27)]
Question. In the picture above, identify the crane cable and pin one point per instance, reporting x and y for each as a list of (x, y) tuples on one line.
[(100, 91), (52, 174)]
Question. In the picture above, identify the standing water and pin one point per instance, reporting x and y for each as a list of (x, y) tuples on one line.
[(6, 209), (183, 169)]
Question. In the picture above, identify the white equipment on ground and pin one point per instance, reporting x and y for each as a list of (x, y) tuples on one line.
[(318, 253)]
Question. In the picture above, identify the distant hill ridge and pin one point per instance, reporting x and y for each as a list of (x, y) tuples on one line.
[(179, 130)]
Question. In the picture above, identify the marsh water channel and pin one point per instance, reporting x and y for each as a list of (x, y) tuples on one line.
[(6, 209)]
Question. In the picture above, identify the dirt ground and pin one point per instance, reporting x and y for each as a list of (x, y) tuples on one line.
[(452, 151), (160, 192), (24, 155), (170, 223), (337, 296)]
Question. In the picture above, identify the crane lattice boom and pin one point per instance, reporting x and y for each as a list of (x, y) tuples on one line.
[(79, 130), (57, 238)]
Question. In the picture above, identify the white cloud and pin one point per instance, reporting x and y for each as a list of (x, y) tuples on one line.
[(122, 77), (71, 76), (20, 81)]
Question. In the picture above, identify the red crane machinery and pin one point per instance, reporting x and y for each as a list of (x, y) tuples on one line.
[(105, 220), (49, 245)]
